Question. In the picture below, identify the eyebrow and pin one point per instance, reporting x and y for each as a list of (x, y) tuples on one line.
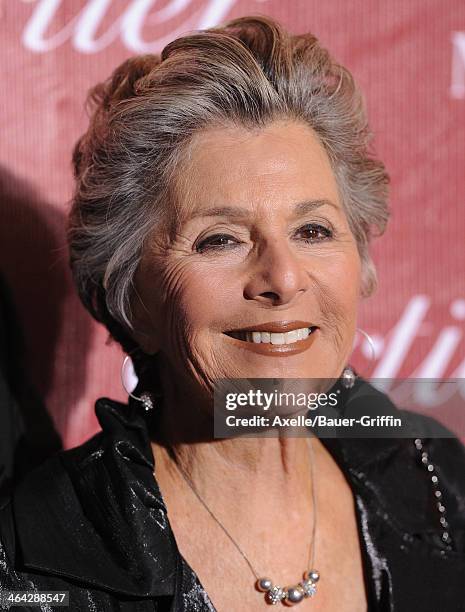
[(236, 212)]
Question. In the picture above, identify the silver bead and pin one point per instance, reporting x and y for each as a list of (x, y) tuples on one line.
[(308, 587), (275, 594), (312, 575), (264, 584), (294, 594)]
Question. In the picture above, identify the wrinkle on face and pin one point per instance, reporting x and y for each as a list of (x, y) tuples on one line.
[(192, 297)]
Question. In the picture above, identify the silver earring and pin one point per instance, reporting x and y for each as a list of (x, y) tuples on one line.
[(348, 377), (129, 380)]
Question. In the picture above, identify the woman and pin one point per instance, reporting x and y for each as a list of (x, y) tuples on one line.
[(224, 204)]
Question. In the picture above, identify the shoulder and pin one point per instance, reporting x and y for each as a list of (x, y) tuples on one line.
[(443, 460), (35, 512), (414, 472), (429, 473), (439, 442), (83, 516), (35, 507)]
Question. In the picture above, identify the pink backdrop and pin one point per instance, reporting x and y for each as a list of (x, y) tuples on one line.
[(408, 57)]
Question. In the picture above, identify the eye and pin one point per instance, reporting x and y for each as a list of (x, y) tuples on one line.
[(314, 232), (217, 241)]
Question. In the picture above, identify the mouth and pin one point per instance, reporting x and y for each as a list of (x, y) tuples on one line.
[(287, 337), (275, 338)]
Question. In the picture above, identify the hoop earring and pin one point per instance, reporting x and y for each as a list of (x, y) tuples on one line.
[(348, 375), (129, 379), (369, 339)]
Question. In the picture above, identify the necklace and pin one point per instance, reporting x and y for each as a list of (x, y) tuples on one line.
[(274, 593)]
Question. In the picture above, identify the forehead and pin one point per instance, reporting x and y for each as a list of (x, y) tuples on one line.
[(274, 166)]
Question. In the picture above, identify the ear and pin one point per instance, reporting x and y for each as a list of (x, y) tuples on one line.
[(144, 331), (145, 340)]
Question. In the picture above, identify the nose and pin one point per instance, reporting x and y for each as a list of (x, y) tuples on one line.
[(278, 275)]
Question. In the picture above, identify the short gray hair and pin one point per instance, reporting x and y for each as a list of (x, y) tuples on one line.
[(248, 73)]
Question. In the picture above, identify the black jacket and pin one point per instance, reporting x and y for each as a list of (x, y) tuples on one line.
[(91, 521)]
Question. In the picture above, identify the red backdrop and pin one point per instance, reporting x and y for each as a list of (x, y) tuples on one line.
[(408, 57)]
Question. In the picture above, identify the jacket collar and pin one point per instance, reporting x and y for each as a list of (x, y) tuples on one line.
[(86, 512), (364, 451), (97, 504)]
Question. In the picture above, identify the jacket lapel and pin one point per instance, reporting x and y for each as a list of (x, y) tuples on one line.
[(99, 516)]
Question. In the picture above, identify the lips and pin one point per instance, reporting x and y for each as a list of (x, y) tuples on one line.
[(274, 327), (275, 337)]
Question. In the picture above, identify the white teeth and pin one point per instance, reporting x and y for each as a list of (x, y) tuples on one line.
[(265, 337), (291, 336), (277, 338)]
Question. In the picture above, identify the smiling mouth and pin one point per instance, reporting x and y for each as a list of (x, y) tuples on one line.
[(273, 338)]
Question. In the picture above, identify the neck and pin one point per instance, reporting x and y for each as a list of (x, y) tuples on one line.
[(246, 474), (240, 469), (278, 457)]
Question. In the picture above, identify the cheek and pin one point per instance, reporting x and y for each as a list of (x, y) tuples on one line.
[(197, 298), (337, 291), (207, 297), (344, 276), (348, 286)]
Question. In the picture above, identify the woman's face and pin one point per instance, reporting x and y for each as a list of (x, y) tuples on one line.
[(262, 242)]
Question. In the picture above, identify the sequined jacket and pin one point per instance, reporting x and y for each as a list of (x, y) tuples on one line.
[(92, 521)]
